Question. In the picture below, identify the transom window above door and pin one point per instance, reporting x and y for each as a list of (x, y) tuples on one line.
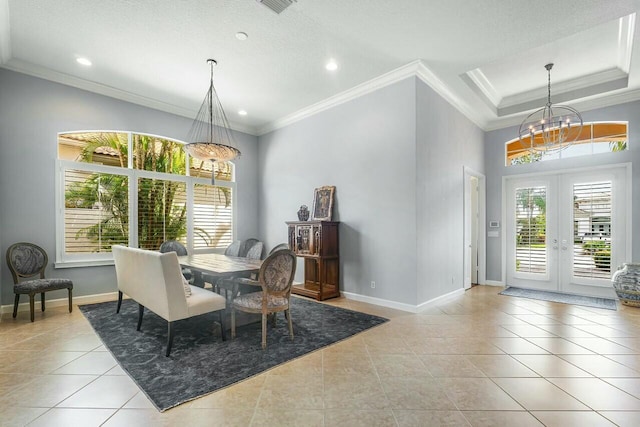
[(594, 138)]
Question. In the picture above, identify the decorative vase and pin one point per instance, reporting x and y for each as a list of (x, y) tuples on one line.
[(303, 213), (626, 282)]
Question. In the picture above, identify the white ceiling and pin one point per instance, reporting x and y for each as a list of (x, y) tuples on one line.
[(486, 57)]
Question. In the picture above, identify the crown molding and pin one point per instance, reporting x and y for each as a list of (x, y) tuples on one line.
[(480, 80), (372, 85), (68, 80), (625, 41), (413, 69), (592, 103), (5, 32)]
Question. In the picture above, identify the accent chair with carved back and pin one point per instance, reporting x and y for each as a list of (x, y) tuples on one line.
[(26, 260), (275, 278)]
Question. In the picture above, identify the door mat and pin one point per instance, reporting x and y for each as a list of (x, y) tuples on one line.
[(606, 303)]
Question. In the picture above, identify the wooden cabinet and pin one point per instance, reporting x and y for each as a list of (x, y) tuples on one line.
[(317, 243)]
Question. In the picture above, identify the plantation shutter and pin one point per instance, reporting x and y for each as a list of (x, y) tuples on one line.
[(592, 229), (95, 212), (531, 252), (162, 212), (212, 216)]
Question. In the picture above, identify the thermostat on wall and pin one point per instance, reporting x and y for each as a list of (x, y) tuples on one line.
[(494, 224)]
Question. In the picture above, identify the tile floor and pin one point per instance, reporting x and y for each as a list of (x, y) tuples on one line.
[(479, 359)]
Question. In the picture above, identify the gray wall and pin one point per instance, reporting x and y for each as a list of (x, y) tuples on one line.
[(366, 148), (32, 112), (494, 165), (446, 142)]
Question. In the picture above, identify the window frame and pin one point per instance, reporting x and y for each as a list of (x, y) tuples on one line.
[(66, 260)]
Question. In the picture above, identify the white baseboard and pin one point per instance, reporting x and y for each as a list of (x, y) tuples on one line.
[(493, 283), (399, 305), (62, 302)]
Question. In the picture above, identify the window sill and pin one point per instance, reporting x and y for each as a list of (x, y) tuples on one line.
[(74, 264)]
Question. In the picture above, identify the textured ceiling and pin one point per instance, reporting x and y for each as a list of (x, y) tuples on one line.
[(486, 56)]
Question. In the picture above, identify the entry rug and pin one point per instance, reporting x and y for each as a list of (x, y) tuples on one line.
[(605, 303), (200, 362)]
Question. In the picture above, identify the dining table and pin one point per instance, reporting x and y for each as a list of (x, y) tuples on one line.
[(218, 266)]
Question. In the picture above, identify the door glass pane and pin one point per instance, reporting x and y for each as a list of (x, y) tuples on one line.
[(592, 230), (531, 230)]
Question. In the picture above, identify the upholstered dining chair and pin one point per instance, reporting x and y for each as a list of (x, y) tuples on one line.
[(232, 284), (275, 278), (178, 248), (279, 247), (246, 245), (27, 260), (234, 248)]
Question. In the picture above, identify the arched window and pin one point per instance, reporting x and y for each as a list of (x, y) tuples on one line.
[(137, 190), (596, 137)]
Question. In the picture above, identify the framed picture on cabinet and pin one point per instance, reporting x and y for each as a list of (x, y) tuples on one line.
[(323, 203)]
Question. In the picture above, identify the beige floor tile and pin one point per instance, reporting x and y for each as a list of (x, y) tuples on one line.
[(500, 366), (528, 331), (600, 366), (566, 331), (470, 394), (429, 418), (347, 363), (310, 364), (139, 401), (539, 394), (279, 417), (451, 366), (291, 392), (399, 365), (82, 342), (105, 392), (93, 363), (456, 346), (244, 395), (116, 370), (501, 419), (601, 346), (603, 331), (354, 391), (550, 365), (597, 394), (139, 418), (622, 418), (630, 385), (65, 417), (571, 418), (559, 346), (46, 391), (416, 393), (42, 363), (19, 417), (517, 346), (352, 345), (629, 360), (208, 417), (537, 319), (632, 343)]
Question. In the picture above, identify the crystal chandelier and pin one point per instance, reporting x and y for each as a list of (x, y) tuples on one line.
[(210, 135), (551, 128)]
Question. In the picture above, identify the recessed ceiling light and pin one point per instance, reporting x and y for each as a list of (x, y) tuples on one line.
[(241, 36), (83, 61), (331, 65), (242, 113)]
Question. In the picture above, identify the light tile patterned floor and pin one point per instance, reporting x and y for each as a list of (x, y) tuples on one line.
[(480, 359)]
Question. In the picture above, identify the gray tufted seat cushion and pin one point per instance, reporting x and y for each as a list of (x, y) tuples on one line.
[(41, 285)]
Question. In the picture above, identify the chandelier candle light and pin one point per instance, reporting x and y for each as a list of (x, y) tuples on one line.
[(551, 128), (210, 133)]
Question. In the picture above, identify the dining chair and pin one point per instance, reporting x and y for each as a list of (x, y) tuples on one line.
[(246, 246), (279, 247), (27, 260), (275, 278), (233, 249)]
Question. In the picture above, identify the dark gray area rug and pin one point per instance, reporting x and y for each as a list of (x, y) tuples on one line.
[(200, 362), (605, 303)]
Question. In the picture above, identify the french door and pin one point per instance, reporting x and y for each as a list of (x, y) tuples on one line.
[(567, 232)]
